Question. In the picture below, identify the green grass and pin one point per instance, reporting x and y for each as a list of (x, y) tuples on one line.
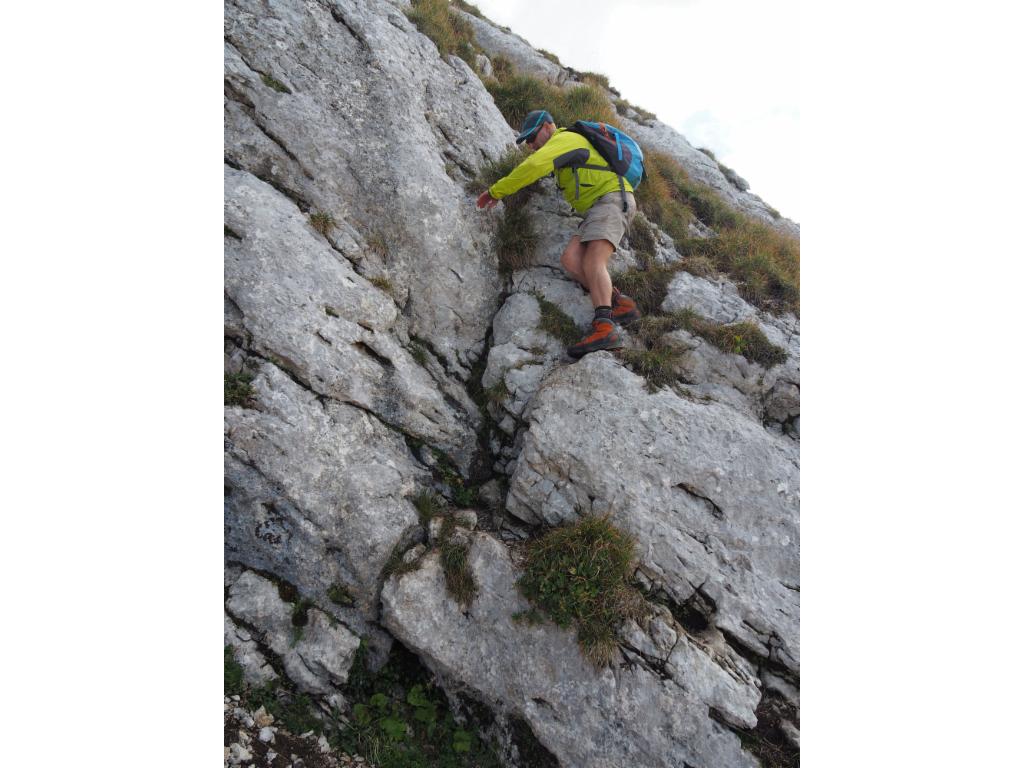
[(378, 244), (647, 287), (400, 719), (458, 577), (451, 33), (578, 576), (322, 222), (468, 8), (516, 95), (419, 353), (276, 85), (645, 117), (515, 238), (745, 338), (549, 56), (642, 241), (428, 505), (238, 389), (382, 283), (493, 170), (395, 564), (595, 79), (340, 595), (234, 678), (556, 323), (657, 364)]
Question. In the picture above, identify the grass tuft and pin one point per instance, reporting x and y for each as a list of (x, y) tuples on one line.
[(596, 79), (516, 95), (644, 117), (657, 363), (339, 595), (549, 56), (493, 170), (276, 85), (641, 239), (450, 32), (458, 577), (578, 576), (556, 323), (515, 238), (382, 283), (647, 287), (234, 678), (322, 222), (429, 505), (238, 389)]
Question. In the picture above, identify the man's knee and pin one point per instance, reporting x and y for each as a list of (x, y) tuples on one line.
[(572, 256)]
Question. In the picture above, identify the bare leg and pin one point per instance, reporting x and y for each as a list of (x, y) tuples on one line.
[(595, 269), (572, 261)]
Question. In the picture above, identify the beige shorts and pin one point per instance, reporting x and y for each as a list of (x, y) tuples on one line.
[(606, 220)]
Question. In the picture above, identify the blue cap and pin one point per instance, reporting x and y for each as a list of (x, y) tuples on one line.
[(533, 123)]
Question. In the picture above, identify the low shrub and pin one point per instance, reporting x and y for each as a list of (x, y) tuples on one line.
[(578, 576), (238, 389)]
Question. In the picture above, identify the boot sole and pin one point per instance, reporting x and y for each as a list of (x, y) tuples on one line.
[(611, 347)]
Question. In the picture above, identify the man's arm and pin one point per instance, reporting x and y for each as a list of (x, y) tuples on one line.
[(537, 165)]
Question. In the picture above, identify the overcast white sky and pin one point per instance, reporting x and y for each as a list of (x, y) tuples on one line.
[(724, 73)]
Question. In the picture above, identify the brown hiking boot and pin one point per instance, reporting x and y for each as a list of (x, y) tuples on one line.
[(624, 309), (604, 336)]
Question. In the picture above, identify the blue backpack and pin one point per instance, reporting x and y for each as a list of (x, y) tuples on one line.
[(619, 150)]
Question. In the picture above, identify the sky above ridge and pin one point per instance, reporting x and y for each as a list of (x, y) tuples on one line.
[(724, 73)]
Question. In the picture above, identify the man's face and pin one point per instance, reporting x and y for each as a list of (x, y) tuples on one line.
[(540, 138)]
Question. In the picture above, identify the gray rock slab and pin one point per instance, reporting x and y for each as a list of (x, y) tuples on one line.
[(588, 718), (316, 491), (317, 658), (711, 496)]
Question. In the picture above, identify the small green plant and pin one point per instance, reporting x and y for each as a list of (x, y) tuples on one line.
[(277, 85), (774, 213), (745, 338), (331, 312), (234, 677), (458, 577), (516, 95), (578, 575), (238, 389), (429, 505), (419, 353), (733, 178), (395, 564), (322, 222), (555, 322), (644, 117), (340, 595)]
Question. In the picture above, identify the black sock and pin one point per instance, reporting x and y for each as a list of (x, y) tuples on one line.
[(603, 312)]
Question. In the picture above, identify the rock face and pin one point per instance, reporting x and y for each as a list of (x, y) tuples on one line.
[(606, 719), (363, 304)]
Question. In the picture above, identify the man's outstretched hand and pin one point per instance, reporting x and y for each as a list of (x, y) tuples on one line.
[(485, 201)]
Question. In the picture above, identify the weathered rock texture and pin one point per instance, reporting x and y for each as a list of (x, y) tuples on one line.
[(362, 297)]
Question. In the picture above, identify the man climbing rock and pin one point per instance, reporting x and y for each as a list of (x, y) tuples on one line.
[(592, 189)]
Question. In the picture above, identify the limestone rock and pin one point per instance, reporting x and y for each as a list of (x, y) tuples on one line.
[(586, 717), (711, 497), (316, 656), (317, 492)]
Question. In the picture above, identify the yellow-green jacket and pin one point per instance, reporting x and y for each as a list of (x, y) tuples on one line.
[(564, 147)]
